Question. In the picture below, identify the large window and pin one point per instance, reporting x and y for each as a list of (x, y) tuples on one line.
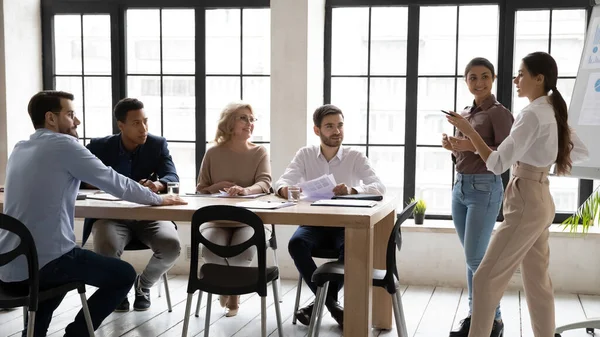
[(82, 66), (184, 64), (393, 68), (560, 32)]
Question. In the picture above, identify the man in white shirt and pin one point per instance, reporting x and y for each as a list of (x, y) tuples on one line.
[(352, 172)]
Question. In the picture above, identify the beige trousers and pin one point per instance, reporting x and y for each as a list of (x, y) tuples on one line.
[(521, 239)]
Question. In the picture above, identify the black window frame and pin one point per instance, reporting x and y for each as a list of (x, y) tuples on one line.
[(508, 10), (117, 10)]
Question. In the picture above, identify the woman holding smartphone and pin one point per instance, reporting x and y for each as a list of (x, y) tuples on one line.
[(477, 193), (539, 138)]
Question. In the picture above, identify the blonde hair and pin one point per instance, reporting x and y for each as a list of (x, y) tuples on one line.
[(227, 120)]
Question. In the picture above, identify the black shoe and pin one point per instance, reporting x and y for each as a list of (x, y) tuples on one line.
[(337, 312), (123, 307), (142, 296), (463, 331), (498, 329), (303, 314)]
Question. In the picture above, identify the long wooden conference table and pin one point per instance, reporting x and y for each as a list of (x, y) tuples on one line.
[(367, 234)]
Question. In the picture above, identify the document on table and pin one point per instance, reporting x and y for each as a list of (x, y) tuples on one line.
[(223, 194), (345, 203), (260, 204), (319, 188), (103, 196)]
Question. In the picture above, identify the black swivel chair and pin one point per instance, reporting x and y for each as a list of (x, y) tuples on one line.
[(29, 298), (230, 280), (387, 279), (332, 254)]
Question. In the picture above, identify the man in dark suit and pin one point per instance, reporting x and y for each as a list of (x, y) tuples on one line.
[(144, 158)]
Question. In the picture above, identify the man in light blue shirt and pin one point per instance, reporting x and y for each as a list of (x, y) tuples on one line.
[(42, 179)]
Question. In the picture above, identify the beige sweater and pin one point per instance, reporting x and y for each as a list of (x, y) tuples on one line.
[(251, 169)]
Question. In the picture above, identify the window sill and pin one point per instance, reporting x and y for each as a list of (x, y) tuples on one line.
[(446, 226)]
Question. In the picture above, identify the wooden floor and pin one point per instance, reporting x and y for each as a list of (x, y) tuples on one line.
[(430, 312)]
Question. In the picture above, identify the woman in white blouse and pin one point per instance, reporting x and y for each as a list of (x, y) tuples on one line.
[(539, 138)]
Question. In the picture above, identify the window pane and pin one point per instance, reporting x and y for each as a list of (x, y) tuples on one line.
[(179, 106), (223, 41), (178, 45), (480, 42), (531, 34), (434, 94), (184, 157), (96, 44), (389, 29), (257, 41), (147, 90), (389, 166), (67, 44), (143, 41), (387, 111), (349, 41), (98, 107), (437, 40), (219, 92), (568, 36), (565, 86), (596, 184), (350, 95), (74, 86), (433, 181), (257, 92), (565, 192)]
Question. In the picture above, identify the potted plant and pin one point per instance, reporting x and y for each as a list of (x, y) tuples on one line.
[(586, 215), (419, 211)]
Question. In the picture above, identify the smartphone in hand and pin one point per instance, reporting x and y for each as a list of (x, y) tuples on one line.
[(446, 112)]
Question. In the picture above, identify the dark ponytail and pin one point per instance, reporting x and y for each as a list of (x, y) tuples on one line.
[(542, 63)]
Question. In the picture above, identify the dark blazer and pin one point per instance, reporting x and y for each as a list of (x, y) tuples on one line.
[(150, 157)]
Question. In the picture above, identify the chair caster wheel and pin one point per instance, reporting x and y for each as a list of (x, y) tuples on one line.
[(590, 331)]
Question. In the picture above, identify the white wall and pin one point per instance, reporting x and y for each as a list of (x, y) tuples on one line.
[(20, 71)]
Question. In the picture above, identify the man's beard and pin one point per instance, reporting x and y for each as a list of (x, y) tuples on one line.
[(69, 131), (331, 142)]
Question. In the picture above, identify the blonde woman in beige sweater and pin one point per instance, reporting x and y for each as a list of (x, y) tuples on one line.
[(239, 167)]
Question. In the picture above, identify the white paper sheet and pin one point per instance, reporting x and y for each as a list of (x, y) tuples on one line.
[(319, 188)]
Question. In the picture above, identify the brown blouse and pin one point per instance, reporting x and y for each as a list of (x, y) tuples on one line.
[(493, 123)]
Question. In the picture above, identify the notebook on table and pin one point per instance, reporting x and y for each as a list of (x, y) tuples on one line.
[(260, 204), (344, 203), (375, 197)]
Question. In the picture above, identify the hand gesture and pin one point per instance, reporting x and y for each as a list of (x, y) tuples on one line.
[(236, 190), (169, 199), (446, 143), (342, 189), (155, 186), (460, 123), (462, 144)]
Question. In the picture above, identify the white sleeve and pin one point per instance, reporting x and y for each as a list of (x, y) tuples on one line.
[(371, 184), (294, 174), (522, 136)]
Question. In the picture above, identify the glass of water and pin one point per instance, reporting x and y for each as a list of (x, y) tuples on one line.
[(173, 187), (294, 193)]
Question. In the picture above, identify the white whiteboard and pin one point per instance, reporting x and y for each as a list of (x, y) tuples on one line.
[(584, 109)]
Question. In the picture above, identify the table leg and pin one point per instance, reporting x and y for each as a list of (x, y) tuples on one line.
[(382, 301), (358, 255)]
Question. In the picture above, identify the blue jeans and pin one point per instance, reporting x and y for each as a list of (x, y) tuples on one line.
[(307, 238), (111, 276), (476, 200)]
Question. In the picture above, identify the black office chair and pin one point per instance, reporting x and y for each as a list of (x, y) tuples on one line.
[(230, 280), (387, 279), (271, 243), (138, 245), (332, 254), (29, 298)]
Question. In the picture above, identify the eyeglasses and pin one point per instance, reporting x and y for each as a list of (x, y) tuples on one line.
[(71, 114), (247, 119)]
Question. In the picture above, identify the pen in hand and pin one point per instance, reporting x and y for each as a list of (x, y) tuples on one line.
[(144, 181)]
